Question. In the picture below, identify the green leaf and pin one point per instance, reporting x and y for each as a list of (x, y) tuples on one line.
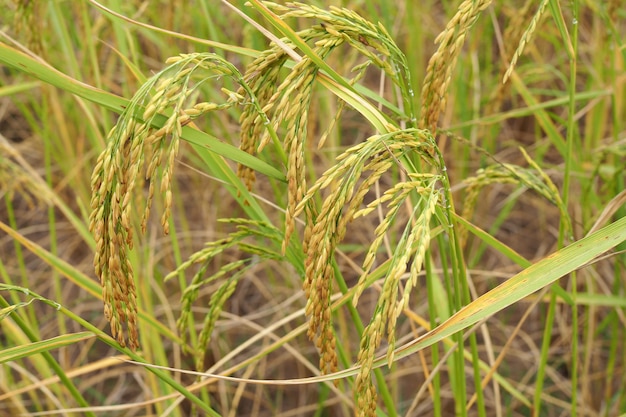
[(44, 72), (22, 351), (532, 279)]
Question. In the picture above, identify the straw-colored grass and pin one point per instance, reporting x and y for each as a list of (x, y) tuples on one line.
[(336, 210)]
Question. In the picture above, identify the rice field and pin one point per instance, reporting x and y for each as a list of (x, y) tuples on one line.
[(330, 208)]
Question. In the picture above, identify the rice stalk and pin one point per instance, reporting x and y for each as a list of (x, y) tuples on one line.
[(327, 229), (294, 110), (269, 106), (373, 41), (525, 38), (393, 300), (134, 146), (262, 76), (289, 104), (442, 63), (512, 33), (533, 178), (230, 273)]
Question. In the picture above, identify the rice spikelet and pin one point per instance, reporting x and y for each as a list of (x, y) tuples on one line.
[(443, 61), (144, 139)]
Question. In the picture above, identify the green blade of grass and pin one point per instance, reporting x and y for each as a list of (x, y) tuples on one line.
[(533, 278), (28, 65), (207, 42), (23, 351), (91, 286), (521, 112), (530, 280), (9, 90), (78, 278), (493, 242)]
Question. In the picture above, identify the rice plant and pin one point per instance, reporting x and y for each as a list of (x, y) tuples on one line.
[(313, 218)]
